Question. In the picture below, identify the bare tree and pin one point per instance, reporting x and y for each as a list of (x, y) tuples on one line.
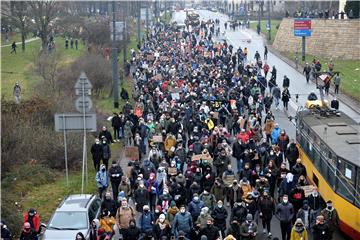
[(46, 65), (44, 13), (16, 13)]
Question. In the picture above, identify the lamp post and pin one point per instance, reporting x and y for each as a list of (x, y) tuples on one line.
[(258, 25), (269, 23)]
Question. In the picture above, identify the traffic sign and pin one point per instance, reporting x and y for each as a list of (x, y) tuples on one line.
[(83, 82), (80, 103), (74, 122), (302, 27)]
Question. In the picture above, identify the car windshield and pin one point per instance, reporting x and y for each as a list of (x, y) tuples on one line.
[(69, 221)]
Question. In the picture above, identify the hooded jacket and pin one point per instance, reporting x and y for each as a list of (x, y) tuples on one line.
[(102, 177), (195, 208), (182, 222), (284, 212)]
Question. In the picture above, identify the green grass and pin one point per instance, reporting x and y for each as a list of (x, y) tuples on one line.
[(263, 23), (13, 36), (350, 77), (47, 203), (19, 67)]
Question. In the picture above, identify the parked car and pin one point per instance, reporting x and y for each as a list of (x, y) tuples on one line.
[(74, 214)]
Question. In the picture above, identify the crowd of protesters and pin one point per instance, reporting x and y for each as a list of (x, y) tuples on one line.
[(213, 161)]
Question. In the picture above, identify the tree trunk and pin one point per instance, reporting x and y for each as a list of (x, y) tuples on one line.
[(23, 40)]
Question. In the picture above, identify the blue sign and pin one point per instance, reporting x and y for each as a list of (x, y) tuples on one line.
[(302, 33)]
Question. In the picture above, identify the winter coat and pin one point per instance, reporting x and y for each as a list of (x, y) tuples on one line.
[(109, 205), (115, 174), (123, 216), (331, 217), (209, 200), (283, 141), (101, 179), (195, 207), (275, 135), (202, 220), (321, 232), (218, 191), (234, 230), (219, 215), (116, 121), (106, 152), (34, 221), (28, 236), (106, 134), (141, 197), (298, 169), (159, 233), (292, 152), (239, 212), (133, 232), (314, 202), (212, 233), (228, 177), (230, 194), (266, 207), (237, 150), (299, 235), (182, 222), (245, 228), (107, 224), (284, 212), (146, 222), (148, 167), (125, 187), (127, 129), (96, 151)]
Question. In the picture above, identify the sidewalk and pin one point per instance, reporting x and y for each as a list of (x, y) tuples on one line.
[(19, 43), (348, 101)]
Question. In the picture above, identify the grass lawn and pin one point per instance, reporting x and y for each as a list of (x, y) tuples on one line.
[(349, 72), (263, 23), (19, 67)]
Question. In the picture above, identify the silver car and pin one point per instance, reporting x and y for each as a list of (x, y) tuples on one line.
[(74, 214)]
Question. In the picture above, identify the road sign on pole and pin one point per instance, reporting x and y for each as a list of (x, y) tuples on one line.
[(302, 27), (75, 122)]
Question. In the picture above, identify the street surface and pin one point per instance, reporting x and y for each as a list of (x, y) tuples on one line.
[(297, 85)]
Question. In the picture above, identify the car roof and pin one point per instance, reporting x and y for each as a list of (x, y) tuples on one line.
[(76, 202)]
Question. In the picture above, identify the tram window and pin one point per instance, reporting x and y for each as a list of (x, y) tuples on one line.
[(316, 158), (344, 189), (348, 171)]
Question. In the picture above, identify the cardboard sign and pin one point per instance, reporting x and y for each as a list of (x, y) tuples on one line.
[(157, 138), (308, 189), (233, 104), (164, 58), (132, 153), (202, 157), (216, 115), (150, 57)]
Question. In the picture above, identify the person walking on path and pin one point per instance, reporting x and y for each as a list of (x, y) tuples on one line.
[(13, 47), (115, 174), (102, 180), (17, 92), (76, 44), (306, 71), (285, 212), (337, 83), (66, 43), (265, 52), (96, 152), (285, 97)]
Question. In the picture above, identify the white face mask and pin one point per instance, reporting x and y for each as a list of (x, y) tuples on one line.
[(182, 210), (285, 200)]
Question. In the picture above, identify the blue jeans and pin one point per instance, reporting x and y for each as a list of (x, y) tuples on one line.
[(239, 165)]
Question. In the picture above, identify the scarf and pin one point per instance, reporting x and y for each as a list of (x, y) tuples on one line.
[(173, 211)]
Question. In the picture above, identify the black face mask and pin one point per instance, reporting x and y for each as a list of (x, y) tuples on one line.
[(209, 225)]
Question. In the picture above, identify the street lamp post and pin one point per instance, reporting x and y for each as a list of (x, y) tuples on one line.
[(269, 23), (115, 72), (258, 26)]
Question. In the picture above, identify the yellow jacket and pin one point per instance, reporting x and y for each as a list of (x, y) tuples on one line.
[(296, 236), (107, 223)]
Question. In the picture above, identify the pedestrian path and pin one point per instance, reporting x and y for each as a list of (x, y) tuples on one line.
[(26, 41)]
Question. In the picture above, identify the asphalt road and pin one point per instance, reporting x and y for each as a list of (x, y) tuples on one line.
[(298, 85)]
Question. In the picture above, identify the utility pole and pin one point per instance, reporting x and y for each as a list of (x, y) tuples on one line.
[(147, 17), (138, 11), (115, 72), (303, 37), (269, 23), (258, 26), (125, 9)]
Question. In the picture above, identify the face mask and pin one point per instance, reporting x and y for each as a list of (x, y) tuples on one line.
[(247, 221), (208, 225), (103, 169), (161, 220), (97, 142), (104, 142), (196, 199), (220, 205), (182, 210), (329, 207), (156, 211), (146, 210), (141, 185), (285, 200)]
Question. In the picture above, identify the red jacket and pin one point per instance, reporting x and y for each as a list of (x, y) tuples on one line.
[(36, 221)]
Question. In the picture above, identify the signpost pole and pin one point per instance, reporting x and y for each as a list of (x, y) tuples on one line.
[(138, 11), (65, 152), (269, 23), (303, 48), (115, 72)]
